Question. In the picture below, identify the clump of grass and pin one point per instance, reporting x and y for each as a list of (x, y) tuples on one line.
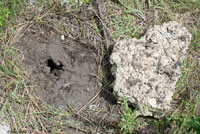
[(193, 124), (128, 119), (132, 18), (195, 44), (123, 23), (4, 13), (9, 8), (85, 1), (184, 5)]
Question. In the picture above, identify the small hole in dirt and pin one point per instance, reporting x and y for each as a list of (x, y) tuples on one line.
[(53, 65)]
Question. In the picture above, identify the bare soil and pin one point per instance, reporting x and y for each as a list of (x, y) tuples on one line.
[(65, 71)]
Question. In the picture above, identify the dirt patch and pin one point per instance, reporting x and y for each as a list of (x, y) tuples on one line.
[(64, 70)]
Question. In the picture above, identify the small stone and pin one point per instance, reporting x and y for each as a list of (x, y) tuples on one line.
[(62, 37), (146, 70)]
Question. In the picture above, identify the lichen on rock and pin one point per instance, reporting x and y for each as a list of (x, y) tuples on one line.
[(146, 70)]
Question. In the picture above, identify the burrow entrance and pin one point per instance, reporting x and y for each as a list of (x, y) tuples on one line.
[(64, 71)]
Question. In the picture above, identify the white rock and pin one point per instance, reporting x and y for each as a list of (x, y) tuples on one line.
[(146, 70), (62, 37)]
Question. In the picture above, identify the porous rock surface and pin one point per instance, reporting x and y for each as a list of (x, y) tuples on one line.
[(146, 70)]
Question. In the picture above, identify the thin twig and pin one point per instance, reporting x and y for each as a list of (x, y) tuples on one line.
[(89, 102)]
